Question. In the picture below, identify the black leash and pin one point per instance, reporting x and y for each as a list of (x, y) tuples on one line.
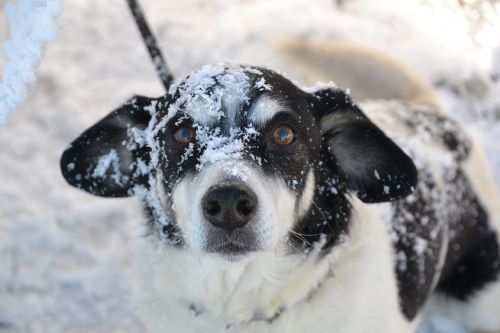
[(149, 39)]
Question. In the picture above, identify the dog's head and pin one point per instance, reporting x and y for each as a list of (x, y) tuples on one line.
[(238, 159)]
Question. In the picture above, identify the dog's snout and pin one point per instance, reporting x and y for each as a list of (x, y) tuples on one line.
[(229, 206)]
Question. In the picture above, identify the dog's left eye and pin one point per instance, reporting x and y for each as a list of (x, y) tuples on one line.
[(283, 135), (184, 135)]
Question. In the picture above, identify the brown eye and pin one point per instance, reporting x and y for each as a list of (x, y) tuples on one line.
[(283, 135), (184, 135)]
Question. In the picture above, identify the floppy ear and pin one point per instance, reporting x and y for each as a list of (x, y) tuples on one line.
[(374, 167), (106, 160)]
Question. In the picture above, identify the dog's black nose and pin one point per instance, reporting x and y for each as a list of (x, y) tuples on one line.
[(229, 206)]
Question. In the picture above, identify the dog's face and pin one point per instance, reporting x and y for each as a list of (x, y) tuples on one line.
[(236, 160), (236, 173)]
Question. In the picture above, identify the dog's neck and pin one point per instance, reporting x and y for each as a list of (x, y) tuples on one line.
[(177, 285), (258, 288)]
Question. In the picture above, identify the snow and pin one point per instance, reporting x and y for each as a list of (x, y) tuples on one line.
[(202, 95), (65, 255), (420, 246), (216, 147), (320, 86), (262, 85), (205, 87), (31, 26), (110, 160)]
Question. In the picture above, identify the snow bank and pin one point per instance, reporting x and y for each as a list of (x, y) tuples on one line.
[(31, 26)]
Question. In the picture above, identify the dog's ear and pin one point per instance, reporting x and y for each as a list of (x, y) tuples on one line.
[(108, 159), (373, 166)]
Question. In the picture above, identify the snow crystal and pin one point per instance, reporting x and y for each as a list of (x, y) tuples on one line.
[(152, 130), (320, 86), (262, 85), (252, 70), (420, 246), (187, 153), (206, 87), (142, 168), (217, 147), (105, 162), (138, 138), (387, 189), (31, 26), (154, 202), (151, 108), (237, 170), (402, 261)]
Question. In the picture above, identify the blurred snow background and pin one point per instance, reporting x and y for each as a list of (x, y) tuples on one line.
[(64, 255)]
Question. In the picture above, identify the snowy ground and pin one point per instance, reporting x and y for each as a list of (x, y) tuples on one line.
[(64, 258)]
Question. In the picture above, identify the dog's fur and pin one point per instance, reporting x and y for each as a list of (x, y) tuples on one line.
[(346, 236), (368, 73)]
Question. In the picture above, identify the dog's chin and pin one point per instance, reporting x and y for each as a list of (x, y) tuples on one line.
[(232, 248), (232, 251)]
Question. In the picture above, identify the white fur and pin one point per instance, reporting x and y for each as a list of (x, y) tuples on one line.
[(264, 109), (232, 293), (275, 213), (306, 199), (368, 73), (199, 112), (231, 102), (213, 92)]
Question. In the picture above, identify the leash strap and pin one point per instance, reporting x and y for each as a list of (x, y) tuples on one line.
[(161, 67)]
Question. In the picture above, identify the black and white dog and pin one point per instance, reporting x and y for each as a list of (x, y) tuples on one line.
[(273, 209)]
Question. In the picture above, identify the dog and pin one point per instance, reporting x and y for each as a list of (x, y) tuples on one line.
[(272, 208), (370, 74)]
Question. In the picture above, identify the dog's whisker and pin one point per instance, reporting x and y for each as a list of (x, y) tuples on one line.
[(301, 237), (302, 234)]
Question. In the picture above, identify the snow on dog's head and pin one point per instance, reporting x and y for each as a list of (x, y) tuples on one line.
[(226, 172), (235, 160)]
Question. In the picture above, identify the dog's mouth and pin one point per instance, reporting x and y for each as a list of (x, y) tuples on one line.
[(232, 247)]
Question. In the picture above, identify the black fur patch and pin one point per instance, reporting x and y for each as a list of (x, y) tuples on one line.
[(434, 213), (328, 218), (473, 258), (373, 167), (80, 162), (441, 128), (418, 227)]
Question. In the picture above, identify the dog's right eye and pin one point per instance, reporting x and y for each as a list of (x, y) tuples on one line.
[(184, 135), (283, 135)]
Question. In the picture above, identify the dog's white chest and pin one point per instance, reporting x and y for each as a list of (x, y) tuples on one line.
[(350, 290)]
